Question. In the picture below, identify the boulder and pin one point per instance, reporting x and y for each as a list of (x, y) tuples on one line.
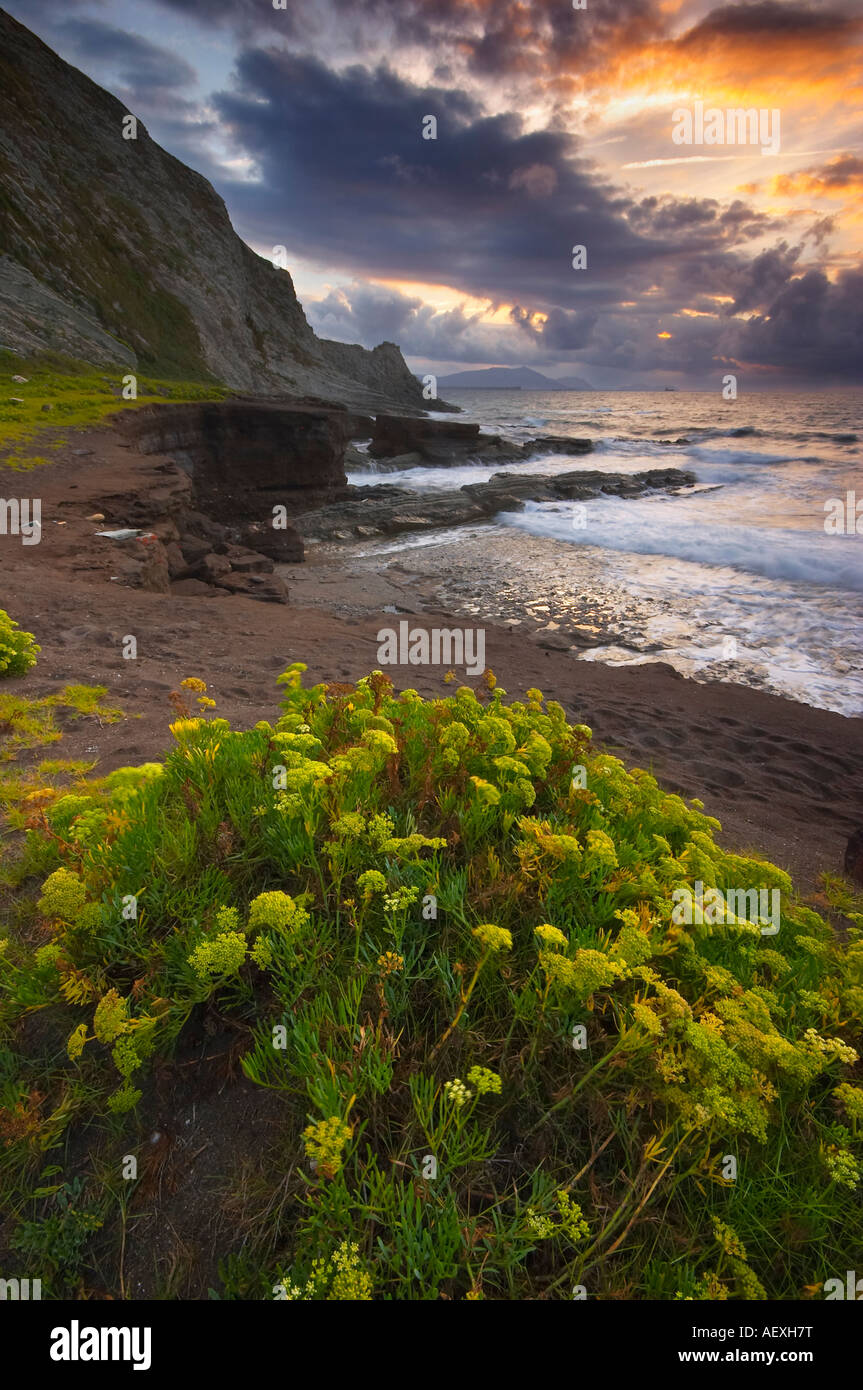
[(145, 565), (194, 549), (248, 561), (269, 588), (283, 544), (193, 588), (213, 568), (197, 524), (177, 565), (405, 442), (435, 441), (387, 509)]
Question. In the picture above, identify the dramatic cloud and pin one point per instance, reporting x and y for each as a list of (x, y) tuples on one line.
[(838, 178), (553, 132), (347, 179), (810, 320), (144, 68), (372, 314)]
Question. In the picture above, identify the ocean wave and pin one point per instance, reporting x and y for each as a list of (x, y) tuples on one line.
[(747, 457), (704, 433), (650, 526), (740, 432)]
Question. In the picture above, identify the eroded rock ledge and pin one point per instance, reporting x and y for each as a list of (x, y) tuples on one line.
[(243, 456), (386, 510)]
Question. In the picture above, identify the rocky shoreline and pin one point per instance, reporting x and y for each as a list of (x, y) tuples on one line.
[(782, 777), (247, 482)]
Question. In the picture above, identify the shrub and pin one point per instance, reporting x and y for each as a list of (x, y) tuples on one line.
[(507, 1067), (17, 649)]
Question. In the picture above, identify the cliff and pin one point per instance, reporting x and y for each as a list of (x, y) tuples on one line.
[(114, 251)]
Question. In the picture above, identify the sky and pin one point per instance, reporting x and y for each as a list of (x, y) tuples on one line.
[(708, 249)]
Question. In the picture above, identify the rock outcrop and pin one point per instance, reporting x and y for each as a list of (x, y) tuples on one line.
[(245, 457), (365, 512), (117, 253), (406, 442)]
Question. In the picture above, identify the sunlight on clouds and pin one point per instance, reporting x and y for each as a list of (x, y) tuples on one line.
[(446, 299)]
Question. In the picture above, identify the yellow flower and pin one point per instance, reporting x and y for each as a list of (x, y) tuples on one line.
[(220, 955), (324, 1142), (184, 728), (262, 953), (485, 791), (551, 936), (277, 910), (63, 896), (493, 938), (370, 882), (194, 683), (377, 743), (110, 1019), (75, 1044), (601, 849), (457, 1093), (484, 1080)]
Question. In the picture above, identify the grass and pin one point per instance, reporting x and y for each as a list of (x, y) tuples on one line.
[(79, 395), (442, 936), (27, 723)]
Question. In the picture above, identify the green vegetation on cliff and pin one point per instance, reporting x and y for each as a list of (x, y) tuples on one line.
[(62, 392)]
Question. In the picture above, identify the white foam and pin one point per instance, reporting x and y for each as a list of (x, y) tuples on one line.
[(660, 526)]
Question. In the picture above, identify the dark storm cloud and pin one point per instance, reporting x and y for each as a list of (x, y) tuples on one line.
[(562, 331), (756, 283), (348, 180), (810, 321), (770, 20), (493, 38), (702, 222), (142, 66)]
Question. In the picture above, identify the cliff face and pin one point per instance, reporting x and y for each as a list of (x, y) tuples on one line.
[(113, 251)]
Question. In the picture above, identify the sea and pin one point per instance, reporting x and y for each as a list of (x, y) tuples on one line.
[(752, 575)]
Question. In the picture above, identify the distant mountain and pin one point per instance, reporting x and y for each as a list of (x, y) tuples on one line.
[(513, 378), (113, 251)]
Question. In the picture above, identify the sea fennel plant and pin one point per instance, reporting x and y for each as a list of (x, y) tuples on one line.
[(503, 1067)]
